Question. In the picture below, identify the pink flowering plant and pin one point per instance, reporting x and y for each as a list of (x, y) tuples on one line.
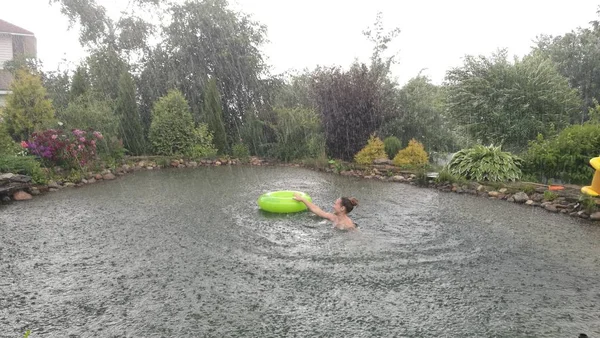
[(70, 149)]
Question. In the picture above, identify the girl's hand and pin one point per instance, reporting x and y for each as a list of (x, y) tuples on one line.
[(297, 197)]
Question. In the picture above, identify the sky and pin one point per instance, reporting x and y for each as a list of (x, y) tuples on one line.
[(435, 35)]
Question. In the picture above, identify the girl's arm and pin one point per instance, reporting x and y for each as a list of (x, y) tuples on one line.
[(314, 209)]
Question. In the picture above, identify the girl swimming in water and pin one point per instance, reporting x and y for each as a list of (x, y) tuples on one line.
[(341, 208)]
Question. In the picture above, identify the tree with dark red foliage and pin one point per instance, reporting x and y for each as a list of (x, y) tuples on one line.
[(353, 104)]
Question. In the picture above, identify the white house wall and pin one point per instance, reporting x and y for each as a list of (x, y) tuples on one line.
[(6, 49)]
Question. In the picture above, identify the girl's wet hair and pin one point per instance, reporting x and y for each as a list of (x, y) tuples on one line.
[(349, 203)]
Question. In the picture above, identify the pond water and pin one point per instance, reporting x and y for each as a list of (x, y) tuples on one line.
[(187, 253)]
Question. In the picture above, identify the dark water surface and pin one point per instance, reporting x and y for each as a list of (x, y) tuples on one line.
[(187, 253)]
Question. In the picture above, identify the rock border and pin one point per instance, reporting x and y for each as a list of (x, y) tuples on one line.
[(20, 188)]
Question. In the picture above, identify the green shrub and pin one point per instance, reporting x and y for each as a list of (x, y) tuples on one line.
[(529, 189), (414, 155), (483, 163), (213, 111), (373, 150), (131, 130), (298, 134), (27, 108), (446, 176), (203, 146), (7, 145), (111, 151), (550, 195), (566, 156), (319, 162), (421, 178), (172, 127), (24, 165), (588, 203), (75, 176), (258, 135), (392, 146), (86, 112), (163, 162), (241, 152)]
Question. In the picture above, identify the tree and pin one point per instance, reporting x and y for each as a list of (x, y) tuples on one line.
[(213, 113), (352, 106), (172, 129), (113, 44), (510, 103), (105, 69), (97, 29), (577, 57), (57, 84), (355, 103), (208, 40), (298, 134), (131, 131), (421, 116), (27, 107), (80, 83)]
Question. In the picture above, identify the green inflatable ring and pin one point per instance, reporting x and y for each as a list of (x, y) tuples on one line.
[(282, 202)]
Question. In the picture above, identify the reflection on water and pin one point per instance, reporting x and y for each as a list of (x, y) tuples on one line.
[(188, 253)]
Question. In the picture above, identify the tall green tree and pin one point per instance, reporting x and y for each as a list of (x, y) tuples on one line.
[(80, 83), (214, 115), (172, 130), (422, 116), (207, 39), (131, 131), (577, 57), (510, 103), (27, 107), (57, 84), (105, 69)]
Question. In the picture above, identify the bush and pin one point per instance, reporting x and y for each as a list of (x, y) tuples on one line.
[(86, 112), (550, 195), (27, 108), (172, 127), (213, 111), (7, 145), (373, 150), (392, 146), (529, 189), (202, 143), (414, 155), (298, 134), (131, 130), (112, 151), (588, 204), (483, 163), (74, 149), (446, 176), (24, 165), (241, 152), (566, 156)]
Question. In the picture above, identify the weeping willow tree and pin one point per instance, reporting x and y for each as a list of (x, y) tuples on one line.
[(500, 102), (298, 134), (131, 131), (213, 113)]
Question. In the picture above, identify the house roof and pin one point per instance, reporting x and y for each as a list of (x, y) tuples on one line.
[(7, 27)]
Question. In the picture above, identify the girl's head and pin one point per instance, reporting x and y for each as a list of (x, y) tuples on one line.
[(344, 205)]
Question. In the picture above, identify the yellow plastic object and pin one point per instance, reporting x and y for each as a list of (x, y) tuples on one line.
[(282, 202), (594, 189)]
